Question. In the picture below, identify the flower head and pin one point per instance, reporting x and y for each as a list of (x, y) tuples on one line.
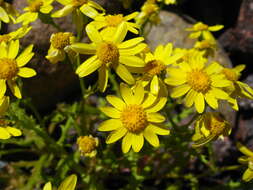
[(68, 184), (200, 84), (33, 9), (134, 118), (87, 7), (200, 29), (60, 43), (7, 12), (246, 160), (109, 23), (87, 145), (11, 66), (110, 53), (209, 126), (15, 35)]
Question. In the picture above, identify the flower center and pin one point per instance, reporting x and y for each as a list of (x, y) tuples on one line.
[(150, 8), (86, 144), (8, 68), (201, 27), (199, 81), (35, 5), (114, 20), (78, 3), (134, 118), (154, 67), (230, 74), (108, 53), (216, 125), (60, 40), (4, 38)]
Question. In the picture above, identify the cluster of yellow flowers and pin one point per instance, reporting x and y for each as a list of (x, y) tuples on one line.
[(149, 77)]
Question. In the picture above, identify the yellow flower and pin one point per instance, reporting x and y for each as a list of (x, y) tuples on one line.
[(200, 84), (190, 55), (133, 118), (111, 53), (237, 89), (208, 44), (200, 29), (11, 66), (246, 160), (7, 13), (6, 131), (19, 33), (149, 11), (109, 23), (87, 7), (34, 8), (168, 2), (210, 126), (87, 145), (60, 43), (156, 65), (68, 184)]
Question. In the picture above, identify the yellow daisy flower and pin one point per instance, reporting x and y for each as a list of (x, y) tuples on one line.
[(11, 66), (156, 65), (6, 131), (113, 53), (246, 160), (87, 7), (35, 7), (133, 118), (190, 55), (200, 84), (19, 33), (60, 43), (68, 184), (208, 44), (200, 29), (7, 12), (210, 126), (87, 145), (109, 23), (237, 89)]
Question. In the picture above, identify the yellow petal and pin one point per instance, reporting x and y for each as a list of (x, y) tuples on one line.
[(180, 90), (158, 130), (63, 12), (131, 43), (88, 11), (2, 88), (69, 183), (110, 112), (157, 106), (47, 186), (26, 72), (102, 78), (4, 16), (88, 67), (154, 85), (151, 137), (218, 93), (133, 50), (93, 34), (14, 88), (190, 97), (116, 135), (116, 102), (127, 142), (215, 28), (4, 104), (4, 134), (124, 74), (243, 149), (110, 125), (25, 56), (211, 100), (149, 100), (3, 48), (126, 94), (13, 131), (138, 142), (138, 94), (247, 175), (120, 33), (199, 103), (155, 117), (132, 61), (13, 49), (83, 48)]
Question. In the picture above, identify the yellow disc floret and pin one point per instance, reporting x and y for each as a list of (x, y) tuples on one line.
[(107, 53), (216, 125), (60, 40), (8, 68), (230, 74), (199, 81), (114, 20), (78, 3), (134, 118), (154, 67), (35, 5), (86, 144)]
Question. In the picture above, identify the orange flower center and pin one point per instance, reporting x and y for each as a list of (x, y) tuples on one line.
[(4, 38), (134, 118), (8, 68), (230, 74), (60, 40), (86, 144), (114, 20), (34, 6), (199, 81), (108, 53), (154, 67), (78, 3)]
